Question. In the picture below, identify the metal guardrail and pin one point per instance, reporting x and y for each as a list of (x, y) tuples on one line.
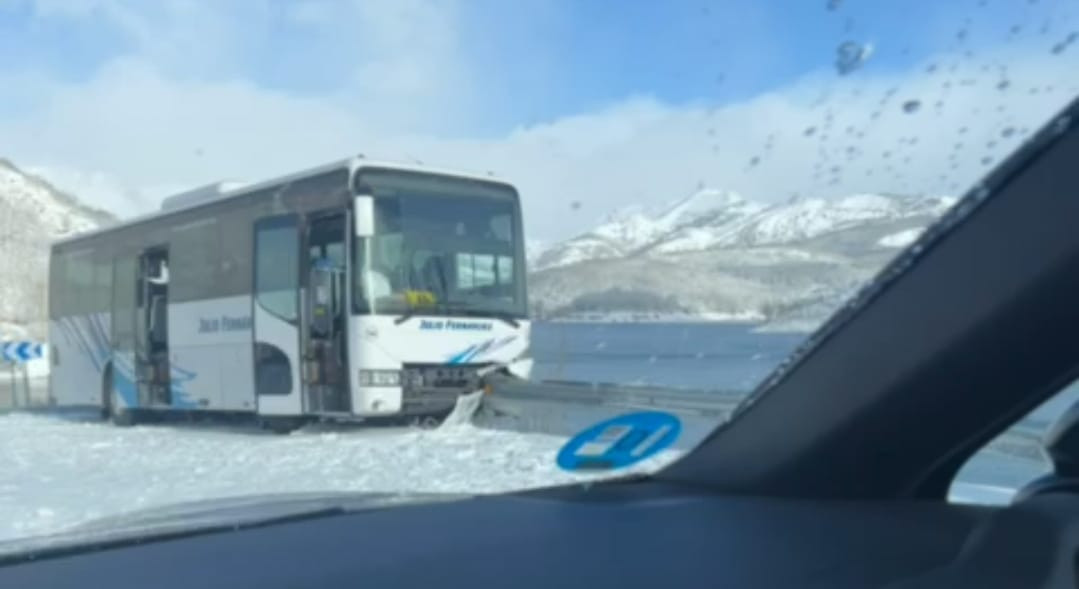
[(564, 407), (688, 402)]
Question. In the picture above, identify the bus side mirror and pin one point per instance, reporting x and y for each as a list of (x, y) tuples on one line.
[(363, 221)]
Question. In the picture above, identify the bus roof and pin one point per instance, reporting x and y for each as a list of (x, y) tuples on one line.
[(351, 164)]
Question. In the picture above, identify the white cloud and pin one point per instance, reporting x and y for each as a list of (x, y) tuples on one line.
[(103, 190), (139, 124), (644, 151)]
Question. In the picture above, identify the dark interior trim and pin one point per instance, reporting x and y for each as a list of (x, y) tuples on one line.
[(960, 336)]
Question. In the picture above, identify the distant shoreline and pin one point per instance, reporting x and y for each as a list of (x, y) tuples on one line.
[(673, 318), (755, 325)]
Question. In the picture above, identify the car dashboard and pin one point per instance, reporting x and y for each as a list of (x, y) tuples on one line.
[(642, 534)]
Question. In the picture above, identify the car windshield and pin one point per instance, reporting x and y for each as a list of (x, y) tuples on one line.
[(441, 247)]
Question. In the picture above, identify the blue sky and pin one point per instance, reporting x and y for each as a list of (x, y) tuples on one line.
[(139, 98), (549, 58)]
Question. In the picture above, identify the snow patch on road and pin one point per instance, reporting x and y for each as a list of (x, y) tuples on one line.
[(60, 473)]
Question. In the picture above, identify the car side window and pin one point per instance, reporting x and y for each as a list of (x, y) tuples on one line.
[(1014, 459)]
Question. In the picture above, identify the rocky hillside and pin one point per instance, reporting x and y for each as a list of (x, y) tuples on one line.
[(32, 214), (716, 255)]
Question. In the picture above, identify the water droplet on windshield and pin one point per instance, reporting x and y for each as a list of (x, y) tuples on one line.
[(911, 106), (1015, 29), (991, 144), (961, 34), (1061, 124), (753, 161), (932, 68), (850, 56), (575, 205), (962, 130), (1061, 46), (834, 4), (987, 160), (1007, 132), (1003, 84)]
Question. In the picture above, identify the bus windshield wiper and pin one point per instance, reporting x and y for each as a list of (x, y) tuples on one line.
[(409, 314), (507, 318)]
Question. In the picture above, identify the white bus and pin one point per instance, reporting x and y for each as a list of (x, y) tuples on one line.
[(350, 291)]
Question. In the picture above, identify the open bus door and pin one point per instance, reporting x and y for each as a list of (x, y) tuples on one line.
[(277, 321), (152, 368), (325, 316), (300, 316)]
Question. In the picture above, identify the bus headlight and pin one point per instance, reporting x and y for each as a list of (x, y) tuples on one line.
[(380, 378)]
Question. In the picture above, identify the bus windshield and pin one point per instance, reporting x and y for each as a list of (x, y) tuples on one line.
[(440, 247)]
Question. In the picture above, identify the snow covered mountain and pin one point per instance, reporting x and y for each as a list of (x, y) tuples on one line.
[(32, 214), (711, 218), (715, 254)]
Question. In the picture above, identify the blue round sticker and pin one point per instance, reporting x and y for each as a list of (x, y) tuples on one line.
[(620, 442)]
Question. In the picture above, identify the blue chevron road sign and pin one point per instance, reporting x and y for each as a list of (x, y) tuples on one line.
[(21, 351)]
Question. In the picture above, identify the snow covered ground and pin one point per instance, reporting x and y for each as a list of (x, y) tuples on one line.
[(62, 472)]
